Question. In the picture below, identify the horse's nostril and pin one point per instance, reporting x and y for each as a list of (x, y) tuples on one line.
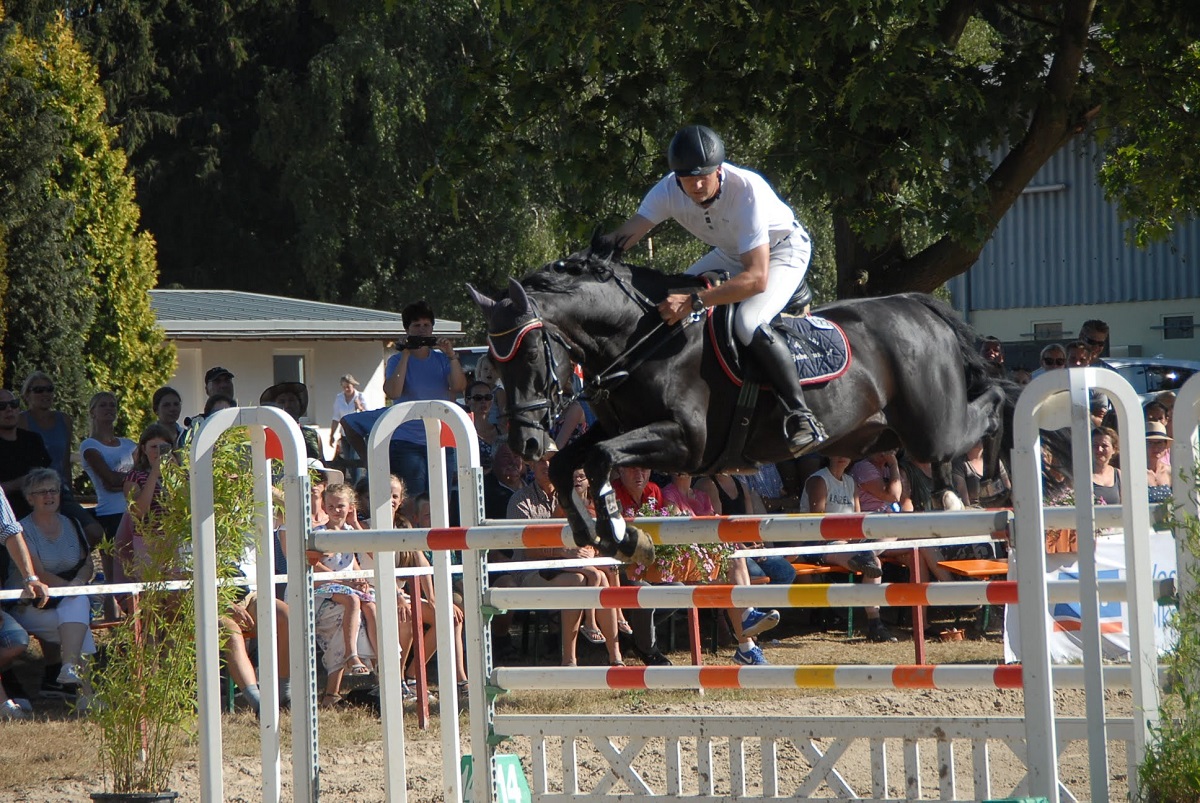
[(532, 449)]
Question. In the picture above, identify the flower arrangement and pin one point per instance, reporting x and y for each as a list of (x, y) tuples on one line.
[(677, 563)]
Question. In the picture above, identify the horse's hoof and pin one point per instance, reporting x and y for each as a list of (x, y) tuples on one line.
[(636, 548), (950, 501)]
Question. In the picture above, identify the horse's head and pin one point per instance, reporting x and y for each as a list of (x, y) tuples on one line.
[(535, 363)]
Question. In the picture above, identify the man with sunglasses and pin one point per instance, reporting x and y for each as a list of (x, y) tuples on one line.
[(20, 452), (1095, 334)]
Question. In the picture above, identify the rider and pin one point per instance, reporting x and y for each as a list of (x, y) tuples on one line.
[(755, 237)]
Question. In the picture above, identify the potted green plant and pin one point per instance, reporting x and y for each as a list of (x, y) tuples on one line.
[(144, 697), (679, 563), (1170, 770)]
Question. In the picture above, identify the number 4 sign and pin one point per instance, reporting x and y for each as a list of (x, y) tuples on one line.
[(512, 786)]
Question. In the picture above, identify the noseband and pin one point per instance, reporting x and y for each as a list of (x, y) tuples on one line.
[(556, 400)]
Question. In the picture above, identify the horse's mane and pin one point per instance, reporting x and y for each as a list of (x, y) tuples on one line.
[(600, 262)]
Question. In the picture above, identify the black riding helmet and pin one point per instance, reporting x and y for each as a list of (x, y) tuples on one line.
[(695, 150)]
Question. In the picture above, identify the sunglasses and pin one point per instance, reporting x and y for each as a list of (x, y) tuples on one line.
[(481, 397), (11, 404), (1049, 361), (42, 389), (1093, 342)]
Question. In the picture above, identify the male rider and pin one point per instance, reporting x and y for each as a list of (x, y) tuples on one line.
[(755, 237)]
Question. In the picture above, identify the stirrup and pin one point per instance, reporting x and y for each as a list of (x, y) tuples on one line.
[(803, 432)]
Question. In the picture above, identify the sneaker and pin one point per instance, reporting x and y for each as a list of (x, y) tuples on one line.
[(24, 704), (70, 674), (10, 710), (751, 657), (755, 621), (408, 693), (866, 564), (878, 632)]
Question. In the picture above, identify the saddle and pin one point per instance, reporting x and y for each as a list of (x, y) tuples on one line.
[(819, 347)]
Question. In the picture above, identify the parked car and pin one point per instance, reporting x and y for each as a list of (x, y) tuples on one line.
[(1151, 375), (469, 356)]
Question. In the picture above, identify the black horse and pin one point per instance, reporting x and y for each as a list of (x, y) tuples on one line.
[(663, 402)]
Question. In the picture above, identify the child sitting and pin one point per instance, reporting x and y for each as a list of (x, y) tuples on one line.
[(355, 596)]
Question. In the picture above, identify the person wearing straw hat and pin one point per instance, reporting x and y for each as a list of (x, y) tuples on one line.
[(292, 398), (1158, 461)]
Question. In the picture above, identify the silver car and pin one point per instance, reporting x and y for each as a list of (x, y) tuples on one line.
[(1151, 376)]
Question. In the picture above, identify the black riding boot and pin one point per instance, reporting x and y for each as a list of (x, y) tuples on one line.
[(800, 427)]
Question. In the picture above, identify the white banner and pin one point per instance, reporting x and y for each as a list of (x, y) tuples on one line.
[(1064, 617)]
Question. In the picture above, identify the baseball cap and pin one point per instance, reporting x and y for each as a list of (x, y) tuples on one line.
[(214, 373), (332, 475)]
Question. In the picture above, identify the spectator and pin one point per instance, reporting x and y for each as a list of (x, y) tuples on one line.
[(832, 490), (107, 459), (240, 626), (485, 372), (55, 427), (354, 596), (348, 400), (635, 492), (1094, 334), (734, 498), (969, 483), (292, 398), (501, 482), (168, 406), (61, 557), (143, 489), (767, 484), (1079, 355), (419, 372), (13, 638), (1167, 399), (1053, 358), (1021, 376), (20, 452), (681, 493), (992, 351), (321, 478), (879, 484), (1106, 478), (1158, 413), (1158, 461), (479, 403), (218, 381)]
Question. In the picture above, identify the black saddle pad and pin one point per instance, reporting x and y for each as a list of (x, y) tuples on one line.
[(818, 346)]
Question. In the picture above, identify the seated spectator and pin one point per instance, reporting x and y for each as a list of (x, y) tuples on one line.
[(832, 490), (681, 493), (992, 351), (746, 623), (878, 481), (969, 484), (13, 638), (485, 372), (143, 489), (479, 402), (1079, 354), (61, 557), (1052, 358), (168, 407), (292, 398), (241, 626), (1106, 478), (1167, 400), (1021, 376), (354, 596), (1158, 461), (767, 484), (502, 482), (107, 459), (319, 479)]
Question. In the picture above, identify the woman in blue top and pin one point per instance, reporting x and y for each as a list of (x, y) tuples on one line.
[(423, 369)]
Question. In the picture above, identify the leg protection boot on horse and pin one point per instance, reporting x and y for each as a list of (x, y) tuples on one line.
[(801, 428)]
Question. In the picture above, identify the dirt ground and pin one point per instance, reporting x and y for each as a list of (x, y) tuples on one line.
[(53, 758)]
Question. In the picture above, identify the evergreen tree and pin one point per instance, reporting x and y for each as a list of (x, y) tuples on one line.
[(77, 304)]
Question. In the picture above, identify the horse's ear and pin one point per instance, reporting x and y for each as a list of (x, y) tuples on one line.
[(607, 246), (485, 303), (516, 294)]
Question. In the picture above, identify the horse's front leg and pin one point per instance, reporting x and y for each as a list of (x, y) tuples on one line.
[(562, 476), (661, 446)]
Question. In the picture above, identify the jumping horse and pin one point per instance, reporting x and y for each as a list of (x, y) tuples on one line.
[(664, 402)]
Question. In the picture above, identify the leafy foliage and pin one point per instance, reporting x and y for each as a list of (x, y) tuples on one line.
[(147, 688), (76, 302)]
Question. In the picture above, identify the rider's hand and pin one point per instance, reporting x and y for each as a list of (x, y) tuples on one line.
[(675, 307)]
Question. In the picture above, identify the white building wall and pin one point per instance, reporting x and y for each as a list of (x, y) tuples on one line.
[(1130, 325), (252, 364)]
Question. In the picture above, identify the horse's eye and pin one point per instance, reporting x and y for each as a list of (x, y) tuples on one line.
[(560, 265)]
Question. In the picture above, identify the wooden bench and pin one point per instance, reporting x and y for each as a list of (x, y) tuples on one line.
[(982, 569)]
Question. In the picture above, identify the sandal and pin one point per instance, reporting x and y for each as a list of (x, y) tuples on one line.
[(592, 634), (624, 627), (355, 667), (330, 700), (617, 662)]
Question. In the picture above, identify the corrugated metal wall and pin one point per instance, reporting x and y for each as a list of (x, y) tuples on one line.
[(1065, 246)]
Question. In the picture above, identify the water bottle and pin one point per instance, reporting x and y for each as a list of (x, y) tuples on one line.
[(97, 599)]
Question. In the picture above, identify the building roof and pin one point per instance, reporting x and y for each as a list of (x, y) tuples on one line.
[(234, 315)]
